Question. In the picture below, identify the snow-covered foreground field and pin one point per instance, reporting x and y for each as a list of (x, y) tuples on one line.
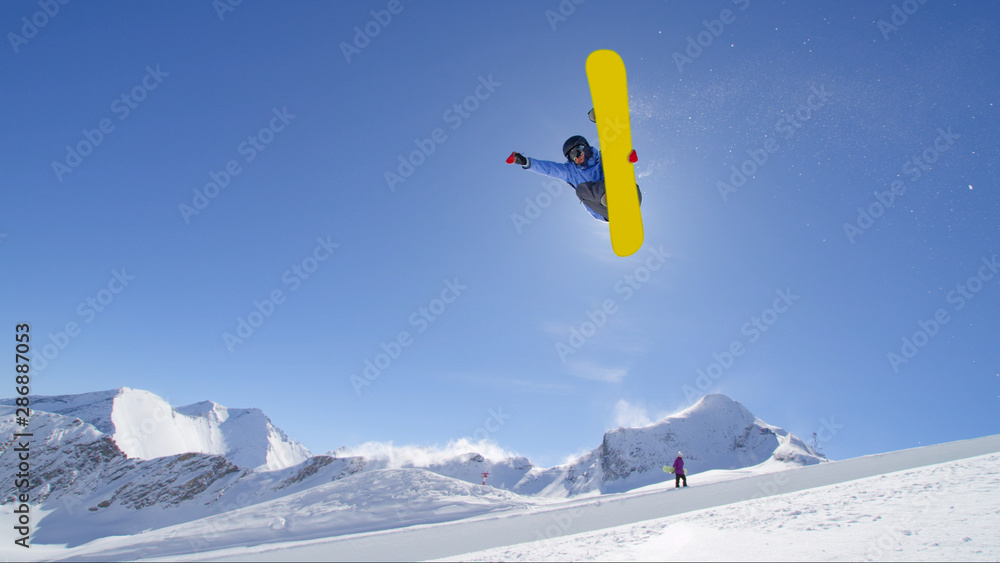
[(936, 502), (949, 511)]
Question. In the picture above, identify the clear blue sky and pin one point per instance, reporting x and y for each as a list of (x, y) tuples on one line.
[(309, 129)]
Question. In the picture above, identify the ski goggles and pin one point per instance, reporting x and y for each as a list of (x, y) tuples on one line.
[(577, 151)]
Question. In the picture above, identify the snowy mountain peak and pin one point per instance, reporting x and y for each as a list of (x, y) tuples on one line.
[(713, 409), (92, 408), (153, 465), (714, 433), (207, 409), (145, 426)]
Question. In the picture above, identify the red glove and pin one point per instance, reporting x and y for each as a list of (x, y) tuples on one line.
[(517, 158)]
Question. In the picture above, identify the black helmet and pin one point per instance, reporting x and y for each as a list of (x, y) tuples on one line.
[(574, 141)]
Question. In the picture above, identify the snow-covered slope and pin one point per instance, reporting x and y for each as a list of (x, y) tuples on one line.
[(144, 426), (931, 503), (124, 461), (940, 512), (715, 433), (86, 488), (370, 501)]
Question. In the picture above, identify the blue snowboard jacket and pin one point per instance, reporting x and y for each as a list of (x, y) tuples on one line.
[(591, 171)]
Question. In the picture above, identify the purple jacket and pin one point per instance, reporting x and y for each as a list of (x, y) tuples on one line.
[(679, 466)]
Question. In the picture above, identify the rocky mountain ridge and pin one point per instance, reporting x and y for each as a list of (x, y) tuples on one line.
[(91, 462)]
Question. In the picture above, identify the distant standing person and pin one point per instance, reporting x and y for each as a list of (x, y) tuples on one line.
[(679, 471)]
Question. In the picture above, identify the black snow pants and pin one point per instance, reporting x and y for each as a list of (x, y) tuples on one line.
[(590, 193)]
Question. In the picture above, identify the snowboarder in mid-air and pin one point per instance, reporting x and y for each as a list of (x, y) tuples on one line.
[(582, 170)]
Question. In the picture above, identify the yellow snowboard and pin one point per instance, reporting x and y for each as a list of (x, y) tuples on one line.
[(606, 74)]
